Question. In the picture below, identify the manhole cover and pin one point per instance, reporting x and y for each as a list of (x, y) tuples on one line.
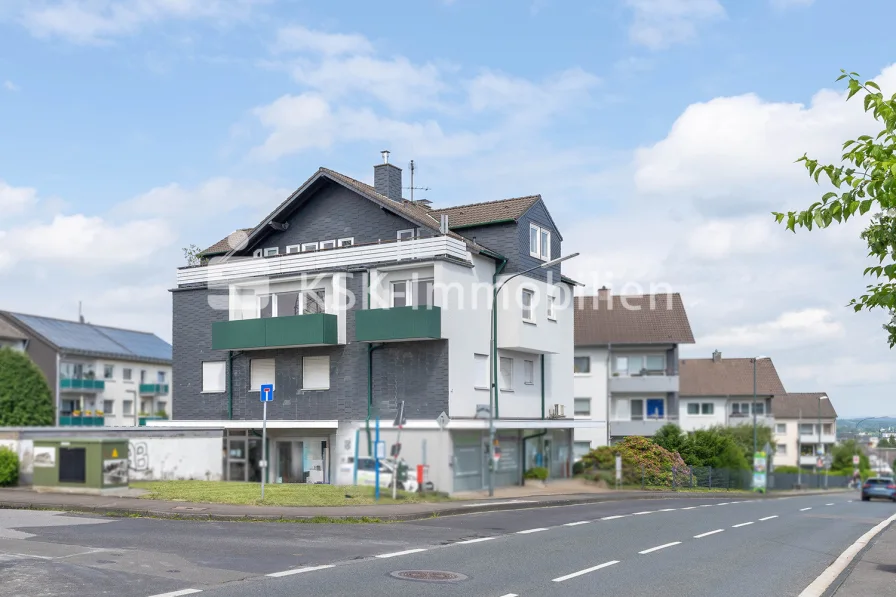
[(436, 576), (191, 508)]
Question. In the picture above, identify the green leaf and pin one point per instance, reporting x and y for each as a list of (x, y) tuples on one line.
[(872, 84), (826, 196), (865, 206)]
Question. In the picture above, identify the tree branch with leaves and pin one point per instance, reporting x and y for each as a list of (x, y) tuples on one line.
[(865, 181)]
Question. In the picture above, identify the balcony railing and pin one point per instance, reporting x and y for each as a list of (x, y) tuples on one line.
[(315, 329), (644, 383), (646, 427), (141, 421), (81, 421), (812, 438), (398, 324), (254, 267), (82, 385), (153, 389)]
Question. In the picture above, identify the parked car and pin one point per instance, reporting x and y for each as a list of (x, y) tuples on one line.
[(367, 475), (879, 487)]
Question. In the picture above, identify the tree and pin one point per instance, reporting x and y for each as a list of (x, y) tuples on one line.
[(671, 437), (743, 437), (193, 255), (25, 395), (865, 180), (843, 453), (713, 447)]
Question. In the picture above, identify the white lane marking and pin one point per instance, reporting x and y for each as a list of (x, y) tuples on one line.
[(300, 570), (702, 535), (706, 505), (659, 547), (848, 501), (400, 553), (829, 504), (723, 504), (178, 593), (804, 509), (575, 524), (586, 571), (743, 524), (510, 595), (768, 518), (820, 585), (668, 510), (479, 540), (645, 512), (498, 503), (527, 531), (690, 508), (614, 517)]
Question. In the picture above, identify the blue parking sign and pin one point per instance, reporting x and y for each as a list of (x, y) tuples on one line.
[(267, 392)]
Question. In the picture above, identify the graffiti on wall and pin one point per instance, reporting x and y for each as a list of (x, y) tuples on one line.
[(138, 456)]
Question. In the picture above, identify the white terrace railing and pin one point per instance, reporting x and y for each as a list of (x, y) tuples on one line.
[(237, 268)]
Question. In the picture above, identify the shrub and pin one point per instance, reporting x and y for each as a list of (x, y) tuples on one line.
[(537, 472), (578, 467), (25, 396), (643, 462), (9, 467), (785, 470)]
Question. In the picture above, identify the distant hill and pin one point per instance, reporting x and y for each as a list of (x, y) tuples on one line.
[(869, 425)]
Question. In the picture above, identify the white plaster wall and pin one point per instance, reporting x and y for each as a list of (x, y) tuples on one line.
[(118, 390), (692, 422), (544, 335), (523, 401), (181, 458), (593, 385), (381, 282)]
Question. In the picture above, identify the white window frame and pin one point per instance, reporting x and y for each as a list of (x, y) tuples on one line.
[(528, 372), (111, 411), (257, 253), (310, 247), (271, 251), (781, 428), (127, 374), (552, 311), (506, 384), (542, 248), (273, 298), (531, 293), (695, 414), (411, 231), (410, 292), (481, 376), (111, 370), (712, 408), (778, 449), (290, 249), (589, 365), (346, 242), (208, 375), (124, 407), (533, 251), (575, 415), (324, 243), (306, 361), (256, 387)]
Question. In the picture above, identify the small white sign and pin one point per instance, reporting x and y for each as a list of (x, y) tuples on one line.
[(45, 456), (856, 459), (618, 468), (443, 420), (381, 450)]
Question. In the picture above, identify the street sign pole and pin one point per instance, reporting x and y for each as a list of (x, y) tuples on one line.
[(376, 461), (399, 421), (266, 394)]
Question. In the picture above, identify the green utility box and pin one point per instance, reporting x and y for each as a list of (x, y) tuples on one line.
[(81, 465)]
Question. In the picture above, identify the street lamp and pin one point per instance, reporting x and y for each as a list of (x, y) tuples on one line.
[(755, 447), (493, 370), (819, 450)]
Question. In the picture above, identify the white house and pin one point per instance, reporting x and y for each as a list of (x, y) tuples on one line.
[(805, 428)]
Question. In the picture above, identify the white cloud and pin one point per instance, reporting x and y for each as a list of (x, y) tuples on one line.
[(209, 200), (16, 200), (793, 328), (10, 86), (301, 39), (784, 4), (659, 24), (98, 21)]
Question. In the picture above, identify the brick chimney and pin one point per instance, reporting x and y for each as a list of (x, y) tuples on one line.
[(387, 178), (603, 293), (716, 356)]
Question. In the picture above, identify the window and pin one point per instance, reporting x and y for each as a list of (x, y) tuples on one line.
[(293, 249), (759, 408), (412, 293), (621, 367), (316, 373), (261, 372), (581, 407), (143, 376), (108, 407), (807, 429), (213, 376), (581, 365), (286, 304), (506, 374), (108, 371), (528, 372), (315, 301), (828, 429), (127, 407), (655, 363), (528, 313), (552, 314), (781, 428), (327, 244), (422, 295), (782, 449), (480, 369), (533, 241), (581, 448), (539, 242), (707, 408), (346, 242), (400, 296), (309, 247), (257, 253), (637, 409), (545, 245), (693, 408), (407, 234), (126, 374), (271, 251)]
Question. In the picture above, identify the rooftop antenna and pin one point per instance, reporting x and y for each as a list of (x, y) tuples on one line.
[(412, 167), (80, 314)]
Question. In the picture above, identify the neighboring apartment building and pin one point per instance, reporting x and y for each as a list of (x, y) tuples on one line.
[(10, 337), (349, 300), (101, 376), (805, 428), (626, 364), (720, 391)]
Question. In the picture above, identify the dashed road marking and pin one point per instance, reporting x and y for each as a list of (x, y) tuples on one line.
[(668, 510), (478, 540), (659, 547), (702, 535), (586, 571), (743, 524), (804, 509), (178, 593), (300, 570), (614, 517), (644, 512), (690, 508), (768, 518), (400, 553), (527, 531), (575, 524)]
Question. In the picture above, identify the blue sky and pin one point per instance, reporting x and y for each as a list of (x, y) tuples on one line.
[(660, 132)]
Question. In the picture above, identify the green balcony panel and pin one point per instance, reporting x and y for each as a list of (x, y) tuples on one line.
[(398, 323), (275, 332), (82, 384), (153, 389), (73, 421), (141, 421)]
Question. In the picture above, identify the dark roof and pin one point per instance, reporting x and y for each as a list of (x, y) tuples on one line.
[(728, 377), (640, 319), (223, 245), (805, 405), (9, 332), (96, 340), (477, 214)]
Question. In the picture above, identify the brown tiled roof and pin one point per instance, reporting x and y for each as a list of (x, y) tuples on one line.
[(10, 332), (476, 214), (728, 377), (640, 319), (805, 405), (223, 245)]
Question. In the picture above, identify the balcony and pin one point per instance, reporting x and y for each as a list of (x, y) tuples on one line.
[(82, 385), (644, 384), (808, 460), (81, 421), (141, 421), (239, 268), (153, 389), (644, 427), (398, 324), (812, 438), (747, 419), (317, 329)]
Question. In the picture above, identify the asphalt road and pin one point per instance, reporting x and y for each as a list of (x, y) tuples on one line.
[(688, 547)]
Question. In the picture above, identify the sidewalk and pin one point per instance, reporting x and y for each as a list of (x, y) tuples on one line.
[(127, 506), (875, 572)]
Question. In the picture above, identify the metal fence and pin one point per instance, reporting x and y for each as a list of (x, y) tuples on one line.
[(806, 480)]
